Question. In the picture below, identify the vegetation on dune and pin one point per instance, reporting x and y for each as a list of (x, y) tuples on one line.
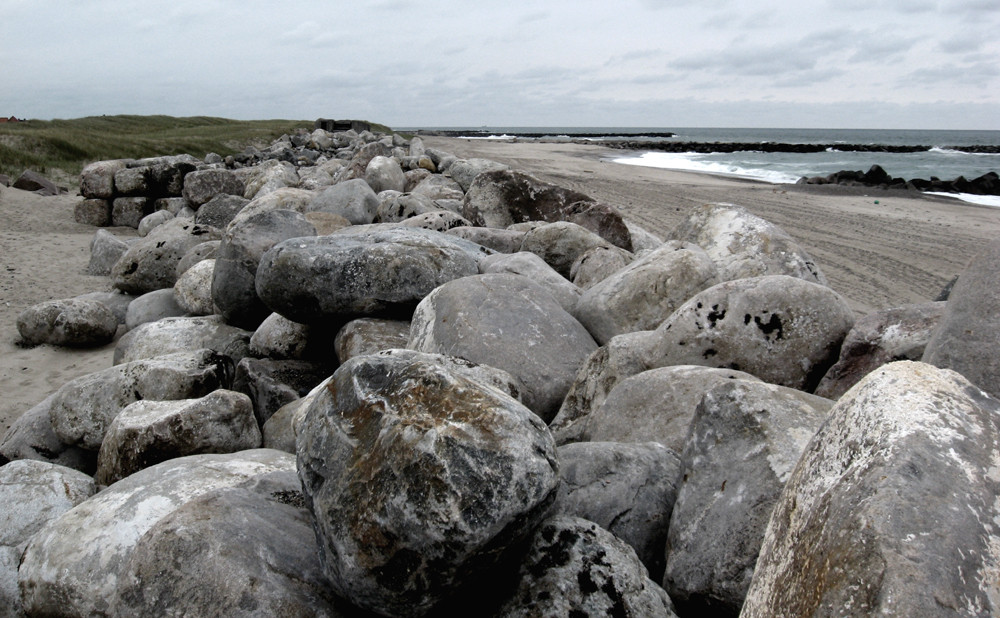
[(68, 145)]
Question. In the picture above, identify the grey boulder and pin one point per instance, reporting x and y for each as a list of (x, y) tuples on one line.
[(352, 199), (420, 479), (201, 186), (369, 336), (105, 250), (270, 384), (184, 334), (560, 244), (509, 322), (70, 322), (384, 173), (531, 266), (151, 262), (193, 289), (153, 306), (279, 338), (464, 171)]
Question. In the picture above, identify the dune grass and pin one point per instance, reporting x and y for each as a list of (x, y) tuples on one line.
[(63, 147)]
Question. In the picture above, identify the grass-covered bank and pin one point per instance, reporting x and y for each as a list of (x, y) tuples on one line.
[(67, 145)]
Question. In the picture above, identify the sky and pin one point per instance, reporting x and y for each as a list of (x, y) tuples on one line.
[(891, 64)]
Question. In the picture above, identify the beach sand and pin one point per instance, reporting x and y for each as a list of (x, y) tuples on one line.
[(903, 250)]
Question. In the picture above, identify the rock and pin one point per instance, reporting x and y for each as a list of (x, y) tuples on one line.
[(782, 329), (31, 436), (279, 338), (245, 241), (295, 200), (642, 240), (464, 171), (509, 322), (597, 264), (246, 550), (375, 273), (576, 568), (117, 302), (202, 185), (384, 173), (438, 221), (326, 223), (271, 384), (129, 211), (151, 262), (560, 244), (657, 404), (461, 474), (966, 339), (744, 245), (646, 292), (485, 375), (281, 430), (891, 508), (69, 322), (535, 268), (170, 335), (193, 289), (219, 211), (438, 187), (744, 441), (134, 181), (397, 207), (152, 220), (370, 335), (105, 250), (33, 493), (413, 177), (627, 489), (146, 433), (153, 306), (30, 180), (352, 199), (173, 205), (97, 180), (502, 241), (885, 336), (202, 251), (82, 409), (269, 176), (57, 575), (93, 212)]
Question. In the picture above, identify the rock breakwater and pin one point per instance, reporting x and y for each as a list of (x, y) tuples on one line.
[(364, 376)]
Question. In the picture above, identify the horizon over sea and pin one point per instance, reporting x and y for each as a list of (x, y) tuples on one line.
[(784, 167)]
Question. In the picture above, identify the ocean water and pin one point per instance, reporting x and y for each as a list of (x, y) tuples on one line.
[(779, 167)]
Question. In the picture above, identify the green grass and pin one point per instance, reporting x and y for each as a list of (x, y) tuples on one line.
[(63, 147)]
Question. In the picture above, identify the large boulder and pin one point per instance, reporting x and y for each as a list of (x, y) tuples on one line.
[(501, 198), (105, 250), (969, 333), (32, 494), (531, 266), (171, 335), (464, 171), (882, 337), (744, 441), (153, 306), (150, 263), (193, 289), (82, 409), (32, 436), (576, 568), (369, 336), (627, 489), (501, 241), (75, 565), (561, 243), (420, 479), (244, 243), (782, 329), (352, 275), (384, 173), (270, 384), (745, 245), (247, 550), (510, 322), (220, 210), (891, 509), (597, 264), (97, 180), (202, 185), (352, 199), (269, 176), (69, 322), (658, 404), (646, 292)]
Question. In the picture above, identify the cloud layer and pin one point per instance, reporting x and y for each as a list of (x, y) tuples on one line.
[(841, 63)]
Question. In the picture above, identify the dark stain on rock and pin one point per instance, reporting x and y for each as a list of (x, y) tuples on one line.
[(709, 353), (715, 315), (772, 326)]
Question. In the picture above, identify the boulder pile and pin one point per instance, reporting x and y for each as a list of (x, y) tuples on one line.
[(356, 376)]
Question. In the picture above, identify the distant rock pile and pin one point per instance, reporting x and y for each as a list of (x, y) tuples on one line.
[(987, 184), (360, 376)]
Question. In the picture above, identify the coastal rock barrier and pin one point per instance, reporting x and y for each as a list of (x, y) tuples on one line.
[(363, 377)]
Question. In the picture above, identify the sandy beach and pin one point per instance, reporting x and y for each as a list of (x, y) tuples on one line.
[(902, 250)]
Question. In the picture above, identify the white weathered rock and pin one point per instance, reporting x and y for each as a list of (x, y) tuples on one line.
[(352, 199), (69, 322), (202, 185), (184, 334), (193, 289), (280, 338), (369, 336), (153, 306), (105, 250), (891, 510), (384, 173), (531, 266)]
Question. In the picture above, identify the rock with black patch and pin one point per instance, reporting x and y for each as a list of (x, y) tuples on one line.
[(627, 489), (70, 322), (150, 263), (420, 479), (576, 568), (170, 335), (369, 336), (271, 384)]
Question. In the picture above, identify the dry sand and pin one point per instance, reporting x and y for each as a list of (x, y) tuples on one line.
[(900, 251)]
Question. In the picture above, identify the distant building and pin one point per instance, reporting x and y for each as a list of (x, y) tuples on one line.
[(342, 125), (11, 119)]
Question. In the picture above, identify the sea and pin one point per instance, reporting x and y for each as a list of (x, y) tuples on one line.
[(941, 160)]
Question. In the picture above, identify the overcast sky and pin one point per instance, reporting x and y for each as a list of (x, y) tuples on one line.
[(922, 64)]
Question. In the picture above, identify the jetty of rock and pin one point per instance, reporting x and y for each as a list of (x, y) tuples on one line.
[(357, 376)]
